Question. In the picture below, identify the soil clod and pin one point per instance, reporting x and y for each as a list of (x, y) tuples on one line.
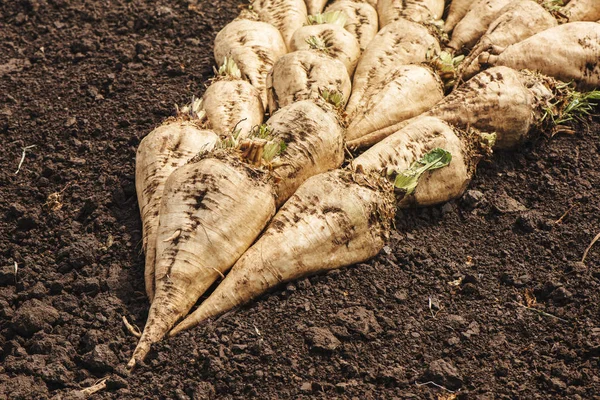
[(444, 373)]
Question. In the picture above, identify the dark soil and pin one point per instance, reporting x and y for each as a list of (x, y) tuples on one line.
[(83, 81)]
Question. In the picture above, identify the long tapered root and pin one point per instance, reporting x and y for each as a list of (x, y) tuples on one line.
[(139, 354), (190, 323), (166, 309), (576, 59), (334, 219), (217, 206), (160, 153)]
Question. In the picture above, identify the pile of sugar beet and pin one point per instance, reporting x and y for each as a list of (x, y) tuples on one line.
[(323, 118)]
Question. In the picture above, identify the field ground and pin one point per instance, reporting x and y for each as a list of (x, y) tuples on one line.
[(445, 302)]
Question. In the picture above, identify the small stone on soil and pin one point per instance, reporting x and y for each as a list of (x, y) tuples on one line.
[(558, 384), (322, 339), (444, 373), (341, 387), (528, 222), (401, 295), (506, 204), (448, 208), (456, 321), (473, 330), (472, 198), (101, 359), (359, 319), (306, 387)]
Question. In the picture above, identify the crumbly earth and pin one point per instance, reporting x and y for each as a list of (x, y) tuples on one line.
[(442, 309)]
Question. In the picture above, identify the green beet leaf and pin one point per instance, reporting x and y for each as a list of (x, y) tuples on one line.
[(407, 180)]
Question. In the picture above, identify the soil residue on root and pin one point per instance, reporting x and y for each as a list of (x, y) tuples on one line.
[(484, 296)]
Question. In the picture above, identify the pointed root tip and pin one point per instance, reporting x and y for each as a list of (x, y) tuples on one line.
[(139, 354), (131, 364), (182, 326)]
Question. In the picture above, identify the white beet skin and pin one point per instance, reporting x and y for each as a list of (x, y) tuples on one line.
[(233, 104), (458, 9), (575, 59), (315, 6), (582, 10), (372, 3), (475, 23), (214, 207), (498, 100), (406, 92), (254, 46), (400, 43), (362, 21), (212, 210), (301, 75), (334, 219), (338, 42), (315, 144), (517, 22), (414, 10), (399, 150), (286, 15), (165, 149)]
